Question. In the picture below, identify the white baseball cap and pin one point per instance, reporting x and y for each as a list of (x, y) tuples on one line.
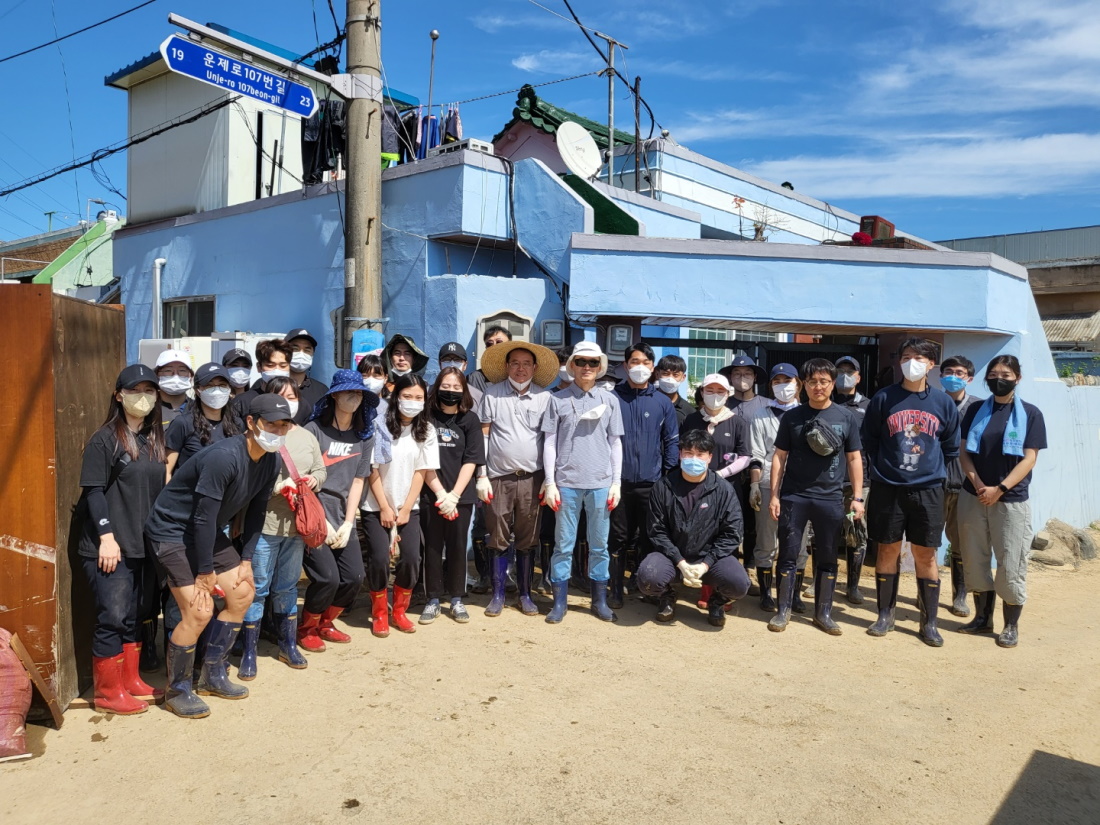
[(716, 378), (174, 356)]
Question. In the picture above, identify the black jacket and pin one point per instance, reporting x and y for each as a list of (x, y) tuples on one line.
[(711, 532)]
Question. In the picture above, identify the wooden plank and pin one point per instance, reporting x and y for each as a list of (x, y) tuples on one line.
[(44, 689)]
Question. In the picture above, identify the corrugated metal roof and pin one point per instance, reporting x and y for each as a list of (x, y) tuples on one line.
[(1032, 247), (1078, 327)]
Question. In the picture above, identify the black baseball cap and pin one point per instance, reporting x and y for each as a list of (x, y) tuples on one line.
[(208, 372), (270, 407), (847, 359), (133, 375), (784, 369), (236, 355), (453, 350), (300, 333)]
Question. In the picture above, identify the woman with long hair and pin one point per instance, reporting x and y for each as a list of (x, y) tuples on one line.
[(1001, 437), (461, 451), (343, 424), (122, 472), (390, 523), (277, 562), (203, 421)]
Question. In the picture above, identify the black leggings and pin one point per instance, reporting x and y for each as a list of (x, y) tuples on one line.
[(450, 536), (118, 596), (335, 576), (376, 539)]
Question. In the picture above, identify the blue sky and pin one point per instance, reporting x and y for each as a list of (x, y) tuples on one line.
[(953, 118)]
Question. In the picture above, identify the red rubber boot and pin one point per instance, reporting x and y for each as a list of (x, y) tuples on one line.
[(131, 678), (704, 596), (380, 613), (328, 631), (110, 695), (401, 599), (309, 637)]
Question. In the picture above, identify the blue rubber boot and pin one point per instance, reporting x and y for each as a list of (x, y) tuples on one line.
[(561, 602), (599, 603), (288, 641), (525, 566), (214, 680), (499, 569), (178, 696), (249, 636)]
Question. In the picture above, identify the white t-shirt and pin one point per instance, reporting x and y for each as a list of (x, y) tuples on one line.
[(408, 456)]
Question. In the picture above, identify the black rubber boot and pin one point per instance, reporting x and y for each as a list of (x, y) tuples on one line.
[(958, 587), (632, 558), (579, 577), (269, 625), (615, 580), (178, 696), (150, 661), (797, 605), (542, 586), (214, 680), (716, 610), (824, 588), (855, 568), (599, 603), (765, 576), (782, 617), (886, 584), (483, 565), (928, 600), (1010, 635), (666, 606), (984, 603)]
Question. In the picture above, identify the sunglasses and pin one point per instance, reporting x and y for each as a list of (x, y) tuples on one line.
[(586, 362)]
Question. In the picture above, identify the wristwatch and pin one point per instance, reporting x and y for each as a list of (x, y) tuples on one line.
[(1002, 488), (858, 499)]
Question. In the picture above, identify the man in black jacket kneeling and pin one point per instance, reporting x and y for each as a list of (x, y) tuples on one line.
[(694, 525)]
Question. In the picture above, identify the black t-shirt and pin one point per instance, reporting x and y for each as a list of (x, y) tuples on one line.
[(310, 391), (687, 492), (460, 442), (129, 498), (990, 462), (169, 414), (346, 458), (225, 472), (807, 473), (180, 437), (731, 439), (683, 409)]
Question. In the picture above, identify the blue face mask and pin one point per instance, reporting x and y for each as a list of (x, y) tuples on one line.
[(952, 383), (693, 466)]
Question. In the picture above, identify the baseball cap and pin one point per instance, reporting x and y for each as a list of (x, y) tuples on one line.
[(236, 355), (716, 378), (453, 350), (133, 375), (270, 407), (847, 359), (300, 333), (173, 356), (783, 369), (208, 372)]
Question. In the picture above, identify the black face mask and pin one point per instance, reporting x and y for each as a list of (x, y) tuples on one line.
[(1000, 386), (449, 398)]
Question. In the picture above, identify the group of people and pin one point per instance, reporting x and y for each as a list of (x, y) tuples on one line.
[(193, 487)]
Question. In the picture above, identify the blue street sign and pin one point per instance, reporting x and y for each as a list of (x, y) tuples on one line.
[(202, 63)]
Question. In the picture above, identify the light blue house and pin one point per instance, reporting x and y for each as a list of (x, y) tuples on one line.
[(471, 238)]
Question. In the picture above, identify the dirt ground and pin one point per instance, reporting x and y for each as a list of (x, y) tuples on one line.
[(514, 720)]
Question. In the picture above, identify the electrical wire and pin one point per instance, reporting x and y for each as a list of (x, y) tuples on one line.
[(68, 101), (58, 39)]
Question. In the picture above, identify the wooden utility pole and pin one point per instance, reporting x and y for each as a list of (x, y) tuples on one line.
[(363, 184)]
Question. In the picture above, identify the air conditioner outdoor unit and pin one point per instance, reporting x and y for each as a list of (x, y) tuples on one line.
[(472, 144), (878, 228)]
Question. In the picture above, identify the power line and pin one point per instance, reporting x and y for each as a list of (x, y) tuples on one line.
[(78, 31), (544, 83), (68, 100)]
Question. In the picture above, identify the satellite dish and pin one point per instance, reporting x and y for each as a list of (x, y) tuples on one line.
[(578, 150)]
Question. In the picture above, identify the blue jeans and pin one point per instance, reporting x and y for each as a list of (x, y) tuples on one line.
[(276, 567), (594, 503)]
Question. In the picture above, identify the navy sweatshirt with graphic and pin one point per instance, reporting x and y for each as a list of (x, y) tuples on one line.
[(909, 437)]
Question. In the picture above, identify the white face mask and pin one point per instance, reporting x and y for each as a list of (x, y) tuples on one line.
[(215, 397), (238, 376), (301, 361), (293, 402), (174, 384), (742, 383), (269, 441), (594, 414), (520, 387), (714, 400), (668, 385), (374, 384), (410, 409), (269, 374), (564, 375), (785, 393), (139, 404), (639, 374), (913, 370), (398, 373)]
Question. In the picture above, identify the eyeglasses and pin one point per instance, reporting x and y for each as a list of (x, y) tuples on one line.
[(960, 373), (586, 362), (822, 382)]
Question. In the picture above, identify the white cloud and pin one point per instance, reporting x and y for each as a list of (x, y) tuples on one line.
[(549, 61), (999, 167)]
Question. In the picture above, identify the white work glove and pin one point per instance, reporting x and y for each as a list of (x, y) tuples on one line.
[(447, 504), (331, 534), (286, 484), (395, 543), (550, 496), (756, 500), (687, 571), (614, 496), (343, 533), (484, 489)]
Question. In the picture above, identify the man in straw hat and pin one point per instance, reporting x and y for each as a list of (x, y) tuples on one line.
[(510, 482), (583, 457)]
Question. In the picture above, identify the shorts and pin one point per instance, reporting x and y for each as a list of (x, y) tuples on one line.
[(916, 514), (178, 561)]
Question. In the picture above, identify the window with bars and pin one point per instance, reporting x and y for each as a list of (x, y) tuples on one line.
[(702, 361)]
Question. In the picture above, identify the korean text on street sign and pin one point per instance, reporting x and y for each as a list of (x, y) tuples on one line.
[(202, 63)]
